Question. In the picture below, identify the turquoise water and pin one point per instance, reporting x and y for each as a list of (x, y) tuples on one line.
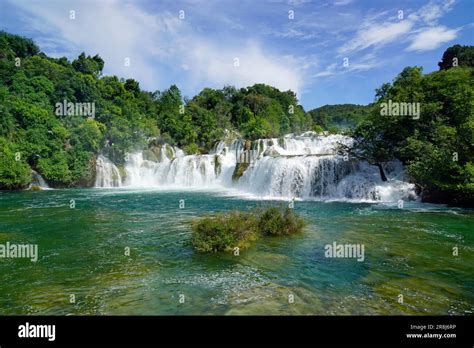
[(82, 252)]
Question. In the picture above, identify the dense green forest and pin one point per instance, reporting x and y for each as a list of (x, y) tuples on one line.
[(340, 117), (437, 147), (63, 148)]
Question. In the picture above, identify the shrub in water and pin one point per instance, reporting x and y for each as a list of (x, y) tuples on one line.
[(270, 222), (224, 231), (278, 222)]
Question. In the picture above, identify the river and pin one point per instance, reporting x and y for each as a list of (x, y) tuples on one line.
[(83, 236)]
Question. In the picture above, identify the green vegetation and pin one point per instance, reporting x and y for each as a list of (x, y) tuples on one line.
[(63, 148), (14, 172), (227, 231), (437, 147), (336, 118), (278, 222), (224, 232), (457, 55)]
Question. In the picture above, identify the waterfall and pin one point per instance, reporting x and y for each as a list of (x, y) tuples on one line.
[(38, 181), (324, 177), (190, 171), (294, 166), (107, 173)]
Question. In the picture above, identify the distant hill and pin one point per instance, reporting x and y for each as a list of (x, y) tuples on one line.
[(341, 116)]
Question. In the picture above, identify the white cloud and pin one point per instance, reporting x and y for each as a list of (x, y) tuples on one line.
[(363, 63), (324, 73), (375, 35), (329, 71), (164, 49), (432, 37), (431, 12), (366, 62), (292, 33), (114, 30), (298, 2), (342, 2), (160, 45), (214, 65), (378, 31)]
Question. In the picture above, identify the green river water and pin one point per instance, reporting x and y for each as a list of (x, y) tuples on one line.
[(408, 252)]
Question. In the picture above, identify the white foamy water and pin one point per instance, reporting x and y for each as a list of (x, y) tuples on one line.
[(107, 173), (37, 180), (304, 166)]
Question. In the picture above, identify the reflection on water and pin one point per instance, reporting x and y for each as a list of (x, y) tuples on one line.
[(82, 252)]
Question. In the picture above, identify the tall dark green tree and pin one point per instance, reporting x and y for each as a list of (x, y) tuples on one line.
[(88, 65), (457, 55)]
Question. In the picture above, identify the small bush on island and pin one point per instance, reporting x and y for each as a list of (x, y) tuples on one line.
[(226, 231), (278, 222)]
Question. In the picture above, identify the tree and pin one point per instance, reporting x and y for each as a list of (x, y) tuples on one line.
[(437, 148), (457, 55), (88, 65), (20, 46), (341, 115), (132, 86), (14, 171)]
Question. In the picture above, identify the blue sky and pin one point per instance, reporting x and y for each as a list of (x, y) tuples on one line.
[(291, 44)]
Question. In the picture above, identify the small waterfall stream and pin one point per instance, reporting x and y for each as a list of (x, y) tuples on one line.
[(38, 181)]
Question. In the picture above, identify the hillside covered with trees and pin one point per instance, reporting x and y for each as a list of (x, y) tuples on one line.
[(63, 148), (437, 147), (339, 117)]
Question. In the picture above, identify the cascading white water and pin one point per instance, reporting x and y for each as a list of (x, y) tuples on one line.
[(172, 168), (107, 173), (38, 181), (306, 144), (304, 166)]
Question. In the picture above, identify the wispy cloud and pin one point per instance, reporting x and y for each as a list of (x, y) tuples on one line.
[(298, 2), (342, 2), (245, 65), (363, 63), (434, 10), (432, 37), (304, 53), (162, 43), (329, 71), (420, 27), (376, 35), (127, 32)]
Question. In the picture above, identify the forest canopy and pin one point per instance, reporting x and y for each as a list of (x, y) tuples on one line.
[(339, 117)]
